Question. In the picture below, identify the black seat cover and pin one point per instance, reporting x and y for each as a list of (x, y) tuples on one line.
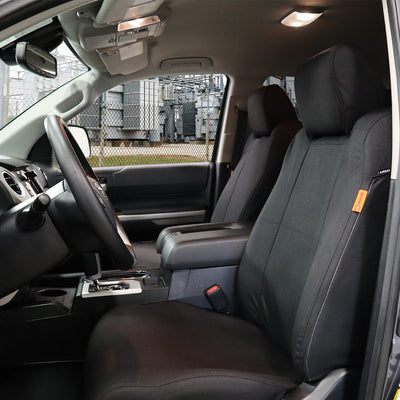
[(273, 123), (174, 351), (314, 272), (306, 279)]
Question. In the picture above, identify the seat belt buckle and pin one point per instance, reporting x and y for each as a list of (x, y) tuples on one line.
[(217, 299)]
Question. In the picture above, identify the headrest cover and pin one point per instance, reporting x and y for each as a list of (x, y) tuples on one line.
[(267, 107), (335, 88)]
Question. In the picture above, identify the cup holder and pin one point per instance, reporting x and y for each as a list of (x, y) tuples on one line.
[(52, 292)]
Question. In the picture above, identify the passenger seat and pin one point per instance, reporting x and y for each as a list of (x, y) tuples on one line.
[(273, 122)]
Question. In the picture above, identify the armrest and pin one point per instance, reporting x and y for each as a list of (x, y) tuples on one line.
[(203, 245), (192, 228)]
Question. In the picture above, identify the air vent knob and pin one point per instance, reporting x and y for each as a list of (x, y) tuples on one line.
[(32, 218)]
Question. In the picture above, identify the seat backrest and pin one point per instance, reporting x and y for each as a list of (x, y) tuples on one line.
[(274, 123), (308, 272)]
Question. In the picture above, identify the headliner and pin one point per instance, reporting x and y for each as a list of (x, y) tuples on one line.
[(245, 39)]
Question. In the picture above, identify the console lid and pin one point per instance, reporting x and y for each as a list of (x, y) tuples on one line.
[(203, 245)]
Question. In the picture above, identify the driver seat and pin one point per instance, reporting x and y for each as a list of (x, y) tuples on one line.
[(306, 280)]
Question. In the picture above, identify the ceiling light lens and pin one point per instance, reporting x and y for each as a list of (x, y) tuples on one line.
[(298, 19), (138, 23)]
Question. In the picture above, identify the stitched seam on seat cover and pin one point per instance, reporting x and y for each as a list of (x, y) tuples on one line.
[(284, 212), (338, 243), (322, 226), (112, 389), (327, 294), (341, 257), (337, 90)]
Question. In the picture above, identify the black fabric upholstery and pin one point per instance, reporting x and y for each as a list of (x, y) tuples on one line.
[(254, 177), (268, 107), (335, 88), (274, 123), (146, 254), (310, 262), (305, 282), (174, 351)]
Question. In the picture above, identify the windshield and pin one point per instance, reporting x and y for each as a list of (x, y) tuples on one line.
[(21, 89)]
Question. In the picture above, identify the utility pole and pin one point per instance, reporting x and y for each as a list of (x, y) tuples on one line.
[(7, 95), (208, 120), (4, 93), (78, 119), (103, 112), (208, 125)]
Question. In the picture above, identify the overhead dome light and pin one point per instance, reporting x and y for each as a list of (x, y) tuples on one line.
[(138, 23), (297, 19)]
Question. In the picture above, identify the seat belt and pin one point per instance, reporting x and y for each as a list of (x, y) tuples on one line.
[(217, 299)]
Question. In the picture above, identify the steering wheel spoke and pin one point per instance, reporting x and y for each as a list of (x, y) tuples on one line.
[(88, 193)]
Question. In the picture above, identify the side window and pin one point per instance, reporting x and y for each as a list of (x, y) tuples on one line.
[(171, 119), (286, 83)]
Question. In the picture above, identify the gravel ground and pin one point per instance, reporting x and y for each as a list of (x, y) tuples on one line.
[(186, 149)]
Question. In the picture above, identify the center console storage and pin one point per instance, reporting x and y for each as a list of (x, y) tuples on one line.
[(200, 256), (203, 245), (53, 318)]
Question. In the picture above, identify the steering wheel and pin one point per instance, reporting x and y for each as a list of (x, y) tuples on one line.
[(88, 193)]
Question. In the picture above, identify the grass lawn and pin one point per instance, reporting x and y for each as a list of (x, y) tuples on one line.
[(141, 159)]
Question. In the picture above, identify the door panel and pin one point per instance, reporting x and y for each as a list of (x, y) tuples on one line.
[(149, 198)]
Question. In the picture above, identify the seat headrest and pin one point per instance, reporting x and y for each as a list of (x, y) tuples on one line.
[(267, 107), (335, 88)]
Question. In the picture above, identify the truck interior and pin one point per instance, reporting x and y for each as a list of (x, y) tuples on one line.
[(266, 269)]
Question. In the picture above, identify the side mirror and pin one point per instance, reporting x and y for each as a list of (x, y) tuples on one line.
[(82, 139), (36, 60)]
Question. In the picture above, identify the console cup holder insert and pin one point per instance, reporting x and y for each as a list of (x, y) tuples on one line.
[(52, 292)]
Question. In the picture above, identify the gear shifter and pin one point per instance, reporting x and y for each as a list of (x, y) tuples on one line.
[(92, 265), (94, 287)]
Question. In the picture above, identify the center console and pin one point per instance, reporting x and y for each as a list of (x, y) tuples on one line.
[(202, 245), (56, 314), (193, 257)]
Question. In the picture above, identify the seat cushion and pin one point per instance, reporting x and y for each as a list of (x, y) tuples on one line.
[(173, 350)]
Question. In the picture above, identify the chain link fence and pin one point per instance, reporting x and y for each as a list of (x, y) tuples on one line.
[(172, 119)]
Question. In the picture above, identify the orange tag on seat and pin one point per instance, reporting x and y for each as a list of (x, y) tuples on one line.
[(360, 200)]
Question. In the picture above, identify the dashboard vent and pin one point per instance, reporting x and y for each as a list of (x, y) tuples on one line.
[(12, 183)]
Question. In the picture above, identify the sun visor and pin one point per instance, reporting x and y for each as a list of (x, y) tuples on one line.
[(126, 59), (119, 33), (112, 12), (92, 38)]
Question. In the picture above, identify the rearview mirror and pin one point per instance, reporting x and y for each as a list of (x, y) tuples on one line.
[(36, 60), (81, 138)]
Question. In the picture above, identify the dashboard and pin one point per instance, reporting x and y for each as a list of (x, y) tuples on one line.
[(30, 243), (20, 180)]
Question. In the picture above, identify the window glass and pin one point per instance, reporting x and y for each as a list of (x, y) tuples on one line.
[(286, 83), (21, 89), (170, 119)]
